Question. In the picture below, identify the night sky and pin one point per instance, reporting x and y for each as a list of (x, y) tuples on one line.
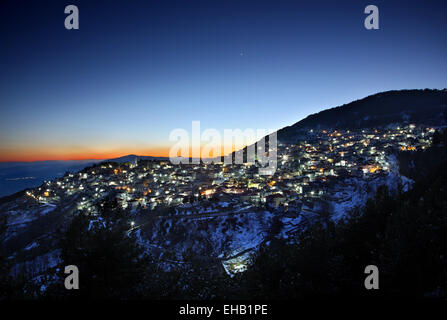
[(135, 71)]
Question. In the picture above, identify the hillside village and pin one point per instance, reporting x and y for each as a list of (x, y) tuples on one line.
[(174, 208), (307, 172)]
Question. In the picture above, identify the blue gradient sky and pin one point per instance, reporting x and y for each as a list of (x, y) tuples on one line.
[(136, 71)]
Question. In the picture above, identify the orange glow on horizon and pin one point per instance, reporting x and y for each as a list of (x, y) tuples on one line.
[(34, 155), (65, 154)]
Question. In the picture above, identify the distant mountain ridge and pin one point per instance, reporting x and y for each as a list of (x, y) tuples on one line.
[(398, 106), (132, 157)]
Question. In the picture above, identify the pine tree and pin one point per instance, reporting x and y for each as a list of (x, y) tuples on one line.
[(110, 261), (5, 281)]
